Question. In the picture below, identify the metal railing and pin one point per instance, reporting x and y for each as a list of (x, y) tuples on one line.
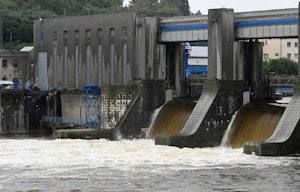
[(197, 79), (64, 120), (282, 80)]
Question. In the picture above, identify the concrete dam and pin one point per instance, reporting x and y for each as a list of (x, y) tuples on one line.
[(259, 127), (234, 79), (132, 88)]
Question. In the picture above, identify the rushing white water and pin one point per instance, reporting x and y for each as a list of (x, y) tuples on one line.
[(154, 115), (224, 142), (138, 165)]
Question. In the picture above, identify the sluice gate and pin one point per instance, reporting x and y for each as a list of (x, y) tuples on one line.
[(285, 139), (172, 117), (255, 121), (210, 117)]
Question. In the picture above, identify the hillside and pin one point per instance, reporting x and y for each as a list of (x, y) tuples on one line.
[(18, 15)]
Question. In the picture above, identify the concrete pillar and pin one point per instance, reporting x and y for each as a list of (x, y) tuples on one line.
[(179, 67), (238, 60), (253, 70), (220, 44)]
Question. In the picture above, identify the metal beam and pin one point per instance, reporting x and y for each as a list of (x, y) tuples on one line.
[(248, 25)]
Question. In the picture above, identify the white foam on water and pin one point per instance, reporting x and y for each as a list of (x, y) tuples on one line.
[(92, 165), (59, 155)]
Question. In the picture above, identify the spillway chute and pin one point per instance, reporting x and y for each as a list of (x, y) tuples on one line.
[(171, 117), (255, 122)]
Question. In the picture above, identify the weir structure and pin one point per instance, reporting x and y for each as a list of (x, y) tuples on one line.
[(230, 79), (137, 60), (285, 139), (223, 91)]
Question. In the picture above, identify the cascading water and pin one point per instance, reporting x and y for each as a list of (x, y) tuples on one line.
[(229, 130), (171, 118), (255, 121), (154, 115)]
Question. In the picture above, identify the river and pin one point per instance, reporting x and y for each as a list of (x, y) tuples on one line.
[(35, 165)]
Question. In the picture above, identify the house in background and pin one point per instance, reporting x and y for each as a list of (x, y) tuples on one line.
[(16, 66), (280, 48)]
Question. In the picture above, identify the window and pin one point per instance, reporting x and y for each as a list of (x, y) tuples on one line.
[(288, 56), (65, 35), (4, 63), (288, 44), (124, 31), (296, 56), (111, 32), (16, 63), (99, 33), (54, 35), (76, 34), (87, 33), (276, 54), (296, 44), (266, 56)]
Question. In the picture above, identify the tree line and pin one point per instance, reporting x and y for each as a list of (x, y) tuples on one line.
[(18, 15), (280, 66)]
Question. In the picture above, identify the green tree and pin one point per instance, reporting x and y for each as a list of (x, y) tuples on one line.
[(18, 15), (184, 7), (176, 6), (180, 7), (144, 5), (197, 13), (281, 66)]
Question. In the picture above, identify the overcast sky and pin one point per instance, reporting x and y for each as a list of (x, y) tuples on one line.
[(239, 5)]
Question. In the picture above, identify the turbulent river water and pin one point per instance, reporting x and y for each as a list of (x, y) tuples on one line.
[(138, 165)]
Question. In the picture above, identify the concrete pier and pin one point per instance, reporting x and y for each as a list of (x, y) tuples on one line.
[(206, 128), (285, 139), (223, 91)]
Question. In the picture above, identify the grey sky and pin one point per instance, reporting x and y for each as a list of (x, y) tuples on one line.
[(239, 5)]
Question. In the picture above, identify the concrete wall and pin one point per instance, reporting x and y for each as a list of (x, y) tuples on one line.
[(126, 108), (137, 119), (106, 49), (115, 101), (72, 104)]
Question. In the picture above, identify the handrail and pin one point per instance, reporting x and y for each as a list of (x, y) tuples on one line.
[(282, 80), (65, 120)]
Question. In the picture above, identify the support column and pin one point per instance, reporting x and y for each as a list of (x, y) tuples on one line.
[(220, 44), (253, 70)]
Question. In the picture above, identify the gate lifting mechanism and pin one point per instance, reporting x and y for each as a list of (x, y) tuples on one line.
[(92, 104)]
